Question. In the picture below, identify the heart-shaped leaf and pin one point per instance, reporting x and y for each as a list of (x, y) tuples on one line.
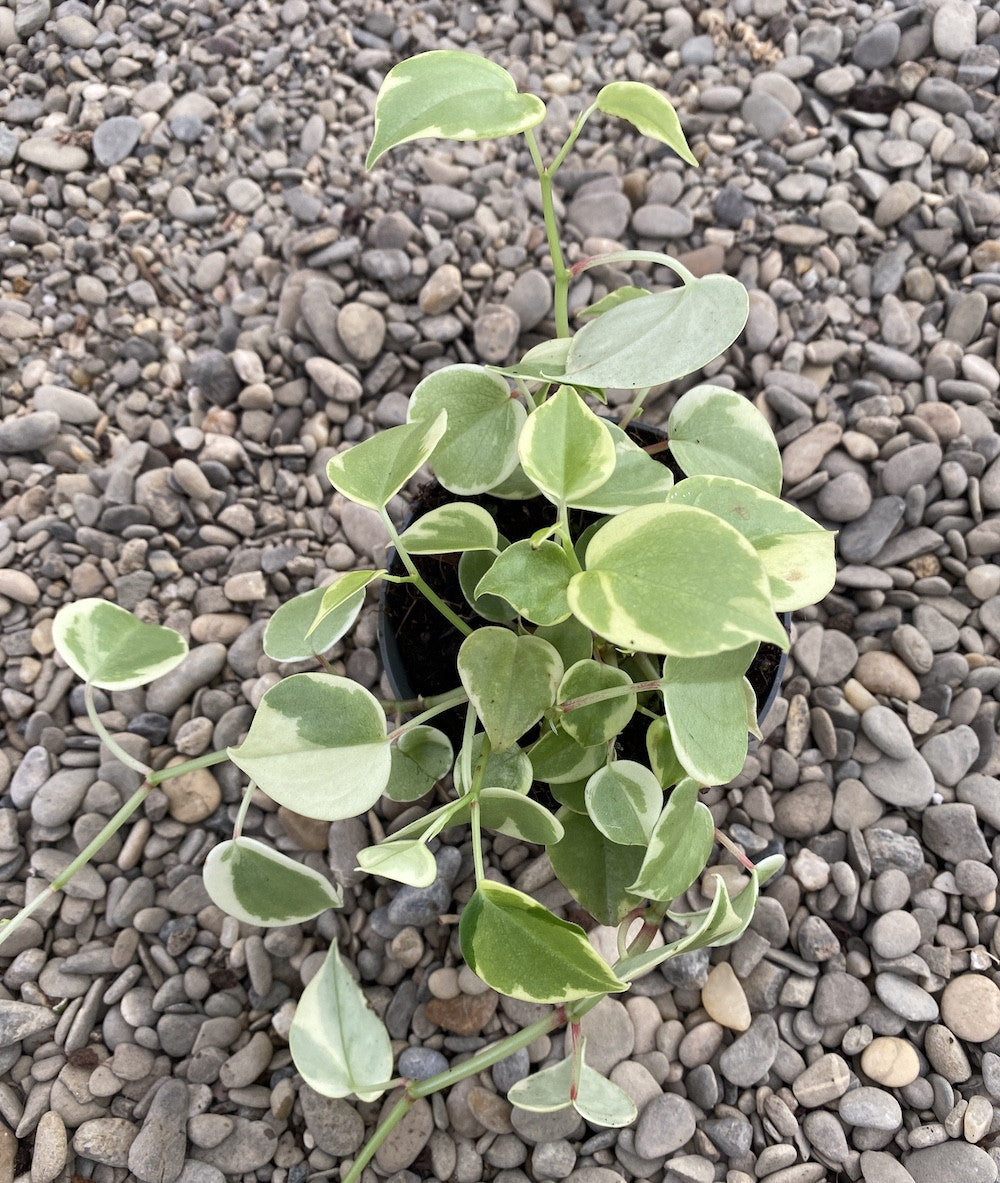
[(565, 449), (717, 432), (662, 337), (339, 1046), (457, 527), (597, 871), (374, 471), (290, 634), (318, 746), (638, 479), (472, 567), (404, 861), (479, 448), (620, 295), (600, 721), (546, 1091), (111, 648), (261, 886), (452, 95), (532, 579), (420, 757), (674, 579), (596, 1099), (520, 949), (558, 759), (601, 1102), (648, 111), (679, 847), (510, 680), (624, 800), (570, 639), (343, 590)]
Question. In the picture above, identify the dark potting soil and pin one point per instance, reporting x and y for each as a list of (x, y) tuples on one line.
[(420, 647)]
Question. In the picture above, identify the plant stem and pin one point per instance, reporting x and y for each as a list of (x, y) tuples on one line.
[(634, 407), (586, 700), (427, 592), (734, 850), (107, 738), (444, 702), (656, 257), (561, 273), (395, 1116), (159, 775), (244, 808)]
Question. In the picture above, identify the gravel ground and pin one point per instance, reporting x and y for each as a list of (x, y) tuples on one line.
[(202, 297)]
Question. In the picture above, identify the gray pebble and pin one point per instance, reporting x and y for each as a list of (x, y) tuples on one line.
[(952, 831), (906, 998), (28, 433), (336, 1126), (951, 1160), (750, 1057), (157, 1154), (420, 1063), (871, 1108), (907, 783), (951, 754), (115, 139), (665, 1124), (887, 731)]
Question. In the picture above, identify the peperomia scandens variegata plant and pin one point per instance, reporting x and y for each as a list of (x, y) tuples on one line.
[(602, 657)]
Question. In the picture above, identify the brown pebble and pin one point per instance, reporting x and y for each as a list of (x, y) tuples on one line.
[(307, 832), (467, 1014), (193, 796), (490, 1110)]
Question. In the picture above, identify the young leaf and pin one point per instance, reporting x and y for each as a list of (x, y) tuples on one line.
[(601, 1101), (510, 680), (545, 362), (261, 886), (479, 448), (290, 634), (404, 861), (648, 111), (596, 1099), (717, 432), (674, 579), (374, 471), (449, 94), (797, 553), (532, 579), (601, 721), (419, 758), (680, 846), (546, 1091), (706, 707), (624, 800), (339, 1046), (570, 639), (565, 449), (343, 589), (111, 648), (620, 295), (518, 816), (662, 754), (520, 949), (662, 337), (558, 759), (448, 528), (509, 769), (597, 871), (638, 479), (472, 567), (318, 745)]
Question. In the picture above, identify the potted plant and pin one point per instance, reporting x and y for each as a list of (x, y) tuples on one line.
[(602, 649)]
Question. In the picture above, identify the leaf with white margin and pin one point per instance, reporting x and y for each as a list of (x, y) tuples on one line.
[(601, 1102), (624, 800), (638, 479), (258, 885), (343, 588), (372, 472), (545, 1092), (479, 448), (601, 721), (718, 432), (318, 745), (679, 847), (339, 1046), (405, 861), (662, 337), (532, 579), (420, 757), (292, 634), (597, 1100), (450, 94), (448, 528), (797, 553), (648, 111), (596, 871), (565, 449), (111, 648), (676, 580)]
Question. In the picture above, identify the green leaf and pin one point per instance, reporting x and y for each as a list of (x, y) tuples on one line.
[(570, 639), (706, 707), (597, 871), (452, 95), (510, 680), (318, 746), (662, 754), (674, 579), (601, 1101), (374, 471), (663, 337), (342, 591), (716, 432), (515, 487), (624, 800), (648, 111), (532, 579), (339, 1046), (111, 648), (620, 295), (479, 448), (419, 758), (679, 847), (259, 885), (557, 758), (404, 861), (545, 1092), (565, 449), (544, 362), (290, 634), (472, 567), (572, 795), (460, 526), (509, 769), (601, 721), (797, 553), (638, 479), (522, 950), (511, 813)]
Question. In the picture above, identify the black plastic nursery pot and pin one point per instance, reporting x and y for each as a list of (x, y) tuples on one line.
[(419, 647)]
